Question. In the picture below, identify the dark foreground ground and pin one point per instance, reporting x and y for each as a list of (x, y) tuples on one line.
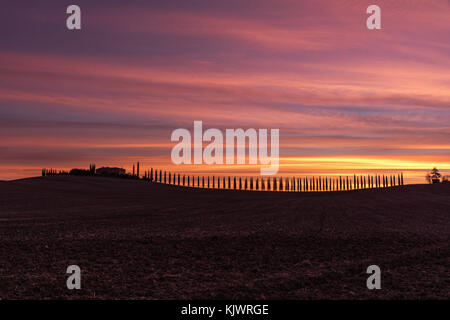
[(133, 239)]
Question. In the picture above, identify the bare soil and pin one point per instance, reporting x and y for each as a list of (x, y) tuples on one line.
[(135, 240)]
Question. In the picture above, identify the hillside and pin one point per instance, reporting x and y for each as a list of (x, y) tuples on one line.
[(134, 239)]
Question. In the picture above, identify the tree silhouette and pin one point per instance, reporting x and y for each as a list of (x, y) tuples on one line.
[(434, 176)]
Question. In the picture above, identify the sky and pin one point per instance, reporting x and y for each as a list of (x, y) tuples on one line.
[(346, 99)]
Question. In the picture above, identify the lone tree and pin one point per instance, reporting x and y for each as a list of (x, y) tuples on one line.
[(434, 176)]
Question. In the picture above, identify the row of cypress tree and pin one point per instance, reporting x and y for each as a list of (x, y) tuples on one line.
[(276, 183)]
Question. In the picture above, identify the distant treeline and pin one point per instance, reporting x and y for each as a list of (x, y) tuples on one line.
[(294, 184), (320, 183)]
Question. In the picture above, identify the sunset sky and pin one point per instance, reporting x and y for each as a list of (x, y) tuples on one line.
[(346, 99)]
